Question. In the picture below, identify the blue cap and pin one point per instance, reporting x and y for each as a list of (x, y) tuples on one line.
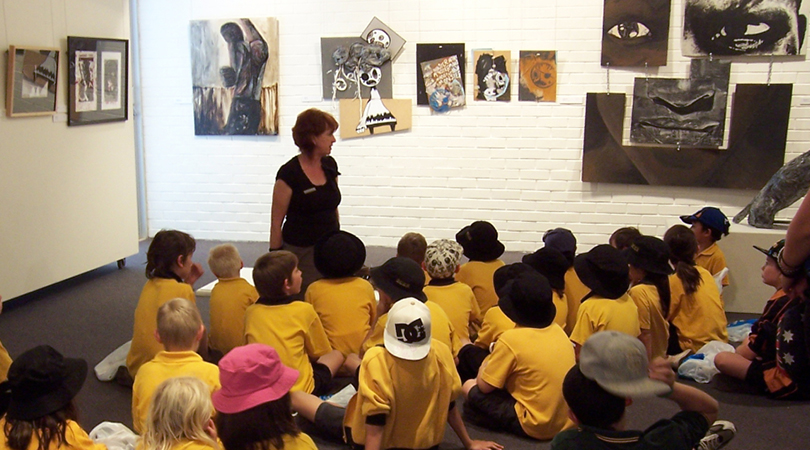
[(711, 217)]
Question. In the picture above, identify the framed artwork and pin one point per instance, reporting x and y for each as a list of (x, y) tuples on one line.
[(538, 76), (98, 80), (235, 75), (444, 83), (31, 81), (431, 53)]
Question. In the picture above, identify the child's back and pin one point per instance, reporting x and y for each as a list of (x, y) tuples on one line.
[(346, 308), (700, 317), (456, 299), (230, 299), (481, 245)]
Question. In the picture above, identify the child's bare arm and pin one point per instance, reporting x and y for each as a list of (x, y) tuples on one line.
[(374, 435), (457, 424), (687, 397)]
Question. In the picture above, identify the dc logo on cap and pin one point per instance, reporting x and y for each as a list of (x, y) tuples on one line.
[(410, 333)]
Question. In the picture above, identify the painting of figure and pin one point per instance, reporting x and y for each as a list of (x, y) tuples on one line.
[(435, 52), (234, 65), (492, 75), (635, 33), (86, 81), (744, 27), (538, 76)]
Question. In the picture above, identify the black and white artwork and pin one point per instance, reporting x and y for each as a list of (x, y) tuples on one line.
[(635, 33), (380, 33), (352, 66), (682, 112), (744, 27), (111, 80)]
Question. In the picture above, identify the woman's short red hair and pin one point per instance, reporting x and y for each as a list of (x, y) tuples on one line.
[(309, 124)]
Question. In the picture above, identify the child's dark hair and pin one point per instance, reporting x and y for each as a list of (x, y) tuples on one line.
[(412, 245), (271, 271), (48, 429), (716, 234), (661, 283), (593, 406), (623, 237), (682, 250), (262, 427), (166, 246)]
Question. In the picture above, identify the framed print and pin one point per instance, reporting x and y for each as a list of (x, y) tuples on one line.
[(98, 76), (31, 81)]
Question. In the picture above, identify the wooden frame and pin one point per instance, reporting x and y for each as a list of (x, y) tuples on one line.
[(98, 80), (31, 81)]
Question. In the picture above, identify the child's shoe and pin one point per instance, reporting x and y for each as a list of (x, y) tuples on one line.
[(719, 434)]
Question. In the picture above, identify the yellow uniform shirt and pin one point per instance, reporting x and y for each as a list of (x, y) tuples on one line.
[(163, 366), (346, 307), (155, 293), (561, 303), (230, 299), (700, 317), (5, 362), (75, 439), (414, 396), (296, 333), (441, 329), (713, 259), (651, 317), (530, 364), (478, 276), (575, 291), (600, 314), (458, 301), (495, 323)]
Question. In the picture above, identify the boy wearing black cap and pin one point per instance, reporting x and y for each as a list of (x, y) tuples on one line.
[(400, 278), (564, 241), (709, 225), (344, 303), (482, 247), (518, 388)]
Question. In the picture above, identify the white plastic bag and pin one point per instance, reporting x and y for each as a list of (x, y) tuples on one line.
[(115, 435), (700, 366), (738, 331), (105, 370)]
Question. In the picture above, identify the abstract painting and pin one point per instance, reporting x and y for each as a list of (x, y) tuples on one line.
[(743, 27), (361, 117), (444, 83), (432, 52), (86, 73), (31, 81), (351, 66), (235, 72), (756, 147), (682, 112), (492, 75), (635, 33), (97, 80), (538, 76), (380, 33), (111, 80)]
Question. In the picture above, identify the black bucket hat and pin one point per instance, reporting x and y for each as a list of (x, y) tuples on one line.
[(400, 278), (506, 273), (551, 264), (339, 254), (528, 301), (40, 382), (649, 254), (480, 241), (604, 271)]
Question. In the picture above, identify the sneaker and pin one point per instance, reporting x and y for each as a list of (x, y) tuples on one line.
[(719, 434)]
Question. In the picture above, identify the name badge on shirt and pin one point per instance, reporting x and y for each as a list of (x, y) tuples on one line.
[(309, 191)]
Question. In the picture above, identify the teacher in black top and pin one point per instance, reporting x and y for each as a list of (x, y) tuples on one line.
[(306, 194)]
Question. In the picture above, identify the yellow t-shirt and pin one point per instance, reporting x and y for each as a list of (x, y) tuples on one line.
[(531, 364), (5, 362), (575, 291), (651, 317), (561, 303), (713, 259), (230, 299), (495, 323), (415, 397), (346, 307), (478, 276), (700, 317), (296, 333), (75, 439), (163, 366), (600, 314), (441, 329), (458, 301), (155, 293)]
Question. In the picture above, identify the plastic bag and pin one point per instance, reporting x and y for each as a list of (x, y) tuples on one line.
[(115, 435), (700, 366), (739, 330), (105, 370)]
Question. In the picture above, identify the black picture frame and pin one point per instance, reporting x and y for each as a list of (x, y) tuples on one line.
[(98, 80)]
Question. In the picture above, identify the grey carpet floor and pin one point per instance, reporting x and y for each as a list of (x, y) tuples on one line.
[(90, 315)]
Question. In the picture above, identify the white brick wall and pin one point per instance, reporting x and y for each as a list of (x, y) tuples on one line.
[(515, 164)]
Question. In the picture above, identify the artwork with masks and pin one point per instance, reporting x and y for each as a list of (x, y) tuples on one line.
[(635, 33), (433, 53), (379, 33), (234, 68), (743, 27), (538, 76), (352, 67), (682, 112), (492, 75)]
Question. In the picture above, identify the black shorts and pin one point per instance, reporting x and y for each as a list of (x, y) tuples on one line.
[(755, 375), (495, 411), (470, 358), (323, 378)]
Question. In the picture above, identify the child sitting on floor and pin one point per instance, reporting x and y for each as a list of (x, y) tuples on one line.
[(230, 299), (482, 248), (552, 264), (413, 246), (180, 417), (648, 260), (564, 241), (709, 225)]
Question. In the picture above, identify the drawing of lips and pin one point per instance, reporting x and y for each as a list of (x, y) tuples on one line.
[(668, 123)]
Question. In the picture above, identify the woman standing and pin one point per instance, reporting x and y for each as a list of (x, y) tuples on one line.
[(306, 194)]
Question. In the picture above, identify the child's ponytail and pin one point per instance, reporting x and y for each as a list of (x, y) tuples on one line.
[(682, 250), (166, 246)]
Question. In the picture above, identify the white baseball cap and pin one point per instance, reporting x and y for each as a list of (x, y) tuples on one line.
[(407, 332)]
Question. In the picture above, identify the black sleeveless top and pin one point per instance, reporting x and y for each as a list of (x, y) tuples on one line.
[(313, 209)]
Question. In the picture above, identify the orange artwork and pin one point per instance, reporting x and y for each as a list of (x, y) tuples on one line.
[(538, 76)]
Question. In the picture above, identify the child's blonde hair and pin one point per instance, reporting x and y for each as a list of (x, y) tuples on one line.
[(224, 261), (180, 410), (178, 322)]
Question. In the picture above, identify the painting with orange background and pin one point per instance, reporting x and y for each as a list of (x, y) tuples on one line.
[(538, 76)]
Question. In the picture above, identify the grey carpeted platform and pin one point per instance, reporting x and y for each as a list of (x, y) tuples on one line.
[(90, 315)]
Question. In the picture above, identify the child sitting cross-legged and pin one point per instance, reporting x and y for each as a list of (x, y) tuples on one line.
[(552, 264), (180, 417), (179, 329), (482, 247), (564, 241)]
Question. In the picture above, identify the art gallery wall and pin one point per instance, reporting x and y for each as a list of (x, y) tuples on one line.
[(516, 164), (67, 195)]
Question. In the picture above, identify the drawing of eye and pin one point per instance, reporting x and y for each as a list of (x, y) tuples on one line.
[(629, 29)]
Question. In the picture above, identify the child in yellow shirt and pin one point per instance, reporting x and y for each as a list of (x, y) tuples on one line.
[(413, 246), (230, 299), (649, 269), (180, 330), (180, 417), (709, 225), (564, 241), (552, 264), (482, 248)]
